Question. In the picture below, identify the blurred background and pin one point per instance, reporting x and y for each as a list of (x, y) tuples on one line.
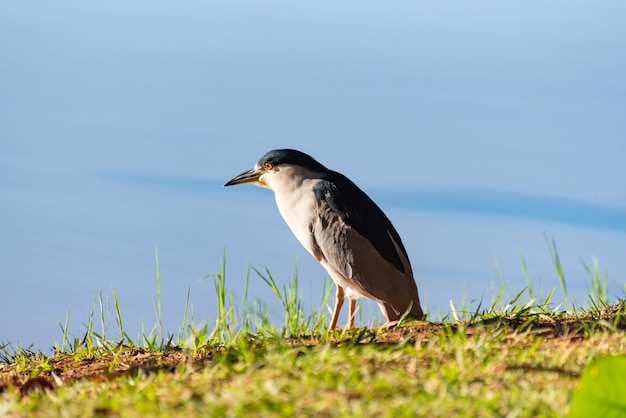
[(484, 130)]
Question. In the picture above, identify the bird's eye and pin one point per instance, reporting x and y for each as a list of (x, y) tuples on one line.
[(268, 166)]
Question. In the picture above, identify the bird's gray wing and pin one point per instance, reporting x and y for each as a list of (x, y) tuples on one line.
[(360, 212)]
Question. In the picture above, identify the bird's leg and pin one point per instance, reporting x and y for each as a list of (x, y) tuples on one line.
[(351, 311), (338, 304)]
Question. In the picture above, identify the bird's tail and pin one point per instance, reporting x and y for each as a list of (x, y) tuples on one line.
[(412, 309)]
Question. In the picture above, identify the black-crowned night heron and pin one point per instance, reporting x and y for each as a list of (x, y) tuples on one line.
[(343, 229)]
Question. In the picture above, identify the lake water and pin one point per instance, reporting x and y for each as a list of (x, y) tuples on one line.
[(480, 130)]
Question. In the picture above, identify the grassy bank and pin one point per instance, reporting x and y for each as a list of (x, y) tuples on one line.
[(518, 357)]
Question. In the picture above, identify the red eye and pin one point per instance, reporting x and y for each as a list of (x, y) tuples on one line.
[(268, 165)]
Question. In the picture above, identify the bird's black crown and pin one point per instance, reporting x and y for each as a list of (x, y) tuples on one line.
[(291, 156)]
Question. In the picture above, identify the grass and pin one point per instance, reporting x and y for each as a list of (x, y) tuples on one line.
[(518, 356)]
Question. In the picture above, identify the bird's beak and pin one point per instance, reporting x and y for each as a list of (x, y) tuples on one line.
[(250, 176)]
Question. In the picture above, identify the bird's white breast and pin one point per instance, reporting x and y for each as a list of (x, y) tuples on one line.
[(296, 201), (297, 207)]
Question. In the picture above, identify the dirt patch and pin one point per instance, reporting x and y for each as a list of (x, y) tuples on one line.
[(69, 367)]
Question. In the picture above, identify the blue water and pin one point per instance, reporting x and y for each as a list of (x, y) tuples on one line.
[(480, 130)]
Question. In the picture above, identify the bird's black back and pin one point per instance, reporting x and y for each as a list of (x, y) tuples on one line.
[(361, 213)]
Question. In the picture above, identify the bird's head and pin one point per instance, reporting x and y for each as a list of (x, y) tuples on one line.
[(279, 166)]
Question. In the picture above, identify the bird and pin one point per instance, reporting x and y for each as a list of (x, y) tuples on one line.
[(342, 227)]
